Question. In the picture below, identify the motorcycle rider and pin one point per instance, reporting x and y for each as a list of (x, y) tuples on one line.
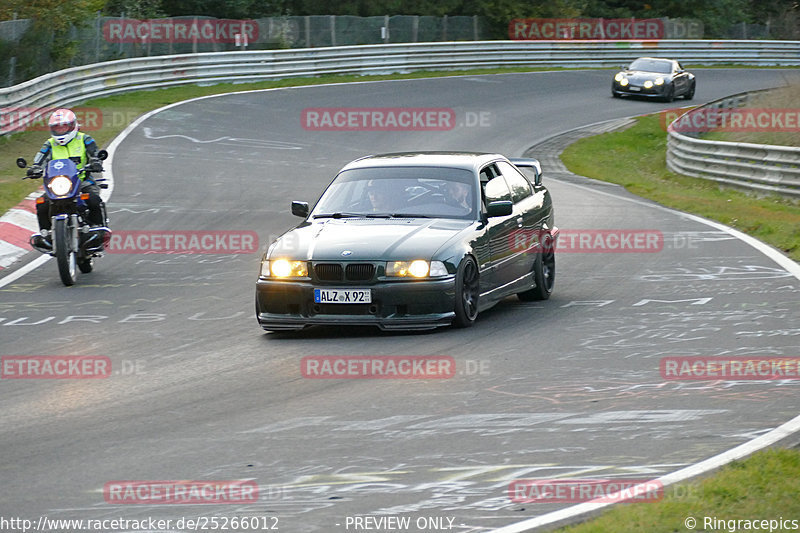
[(66, 142)]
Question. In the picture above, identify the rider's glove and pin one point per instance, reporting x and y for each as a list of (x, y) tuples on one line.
[(95, 165)]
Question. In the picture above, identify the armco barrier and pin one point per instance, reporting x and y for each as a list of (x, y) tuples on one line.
[(759, 167), (78, 84)]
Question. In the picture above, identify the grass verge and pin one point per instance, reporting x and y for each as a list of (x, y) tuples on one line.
[(636, 159), (762, 487), (780, 108)]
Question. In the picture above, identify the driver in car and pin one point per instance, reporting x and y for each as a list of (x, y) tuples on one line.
[(385, 196), (458, 194)]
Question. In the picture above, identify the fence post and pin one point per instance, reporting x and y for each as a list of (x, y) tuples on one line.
[(12, 64), (121, 21), (415, 29), (474, 27), (97, 36), (444, 28), (386, 31), (308, 31), (333, 30), (194, 36)]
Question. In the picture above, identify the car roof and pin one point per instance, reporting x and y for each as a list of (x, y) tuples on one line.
[(465, 160), (656, 59)]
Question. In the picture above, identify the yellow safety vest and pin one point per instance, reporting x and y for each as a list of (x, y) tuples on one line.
[(75, 148)]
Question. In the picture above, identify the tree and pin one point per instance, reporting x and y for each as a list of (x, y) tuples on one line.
[(136, 9)]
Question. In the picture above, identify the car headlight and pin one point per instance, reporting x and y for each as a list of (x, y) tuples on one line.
[(415, 269), (624, 82), (619, 77), (284, 268), (60, 185), (659, 81), (648, 84)]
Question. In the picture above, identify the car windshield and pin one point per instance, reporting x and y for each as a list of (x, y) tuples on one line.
[(652, 65), (401, 192)]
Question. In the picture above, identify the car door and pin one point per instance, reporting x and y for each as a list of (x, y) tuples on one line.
[(501, 230), (680, 78), (527, 215)]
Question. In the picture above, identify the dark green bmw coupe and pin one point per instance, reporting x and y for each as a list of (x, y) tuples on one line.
[(412, 241)]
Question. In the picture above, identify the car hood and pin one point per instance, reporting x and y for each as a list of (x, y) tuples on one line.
[(640, 76), (367, 239)]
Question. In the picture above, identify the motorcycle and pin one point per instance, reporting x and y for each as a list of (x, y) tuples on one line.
[(71, 240)]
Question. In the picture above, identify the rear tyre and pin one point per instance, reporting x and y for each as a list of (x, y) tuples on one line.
[(467, 293), (544, 273), (65, 256)]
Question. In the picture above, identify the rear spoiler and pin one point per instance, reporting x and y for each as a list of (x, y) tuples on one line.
[(522, 162)]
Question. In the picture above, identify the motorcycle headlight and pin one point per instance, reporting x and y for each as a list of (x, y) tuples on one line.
[(284, 268), (415, 269), (60, 185), (648, 84), (659, 81), (619, 76)]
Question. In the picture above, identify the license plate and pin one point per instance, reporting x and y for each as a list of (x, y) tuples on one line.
[(342, 296), (636, 89)]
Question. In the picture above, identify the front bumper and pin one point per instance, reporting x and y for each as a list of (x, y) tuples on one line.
[(656, 91), (396, 305)]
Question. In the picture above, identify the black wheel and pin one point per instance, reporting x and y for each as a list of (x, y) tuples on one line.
[(65, 255), (690, 93), (544, 273), (670, 94), (467, 293), (86, 265)]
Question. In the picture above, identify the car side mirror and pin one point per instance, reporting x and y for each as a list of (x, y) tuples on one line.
[(500, 208), (21, 163), (300, 209), (102, 155)]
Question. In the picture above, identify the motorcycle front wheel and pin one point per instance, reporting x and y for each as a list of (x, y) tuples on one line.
[(65, 255)]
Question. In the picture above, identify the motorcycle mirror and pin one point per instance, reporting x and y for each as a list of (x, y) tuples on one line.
[(102, 155), (21, 163)]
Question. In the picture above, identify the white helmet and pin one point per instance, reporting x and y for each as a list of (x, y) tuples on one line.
[(63, 126)]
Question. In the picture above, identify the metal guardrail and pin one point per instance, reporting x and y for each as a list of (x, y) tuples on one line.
[(33, 98), (759, 167)]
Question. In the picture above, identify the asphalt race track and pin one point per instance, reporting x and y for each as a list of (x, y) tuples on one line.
[(565, 388)]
